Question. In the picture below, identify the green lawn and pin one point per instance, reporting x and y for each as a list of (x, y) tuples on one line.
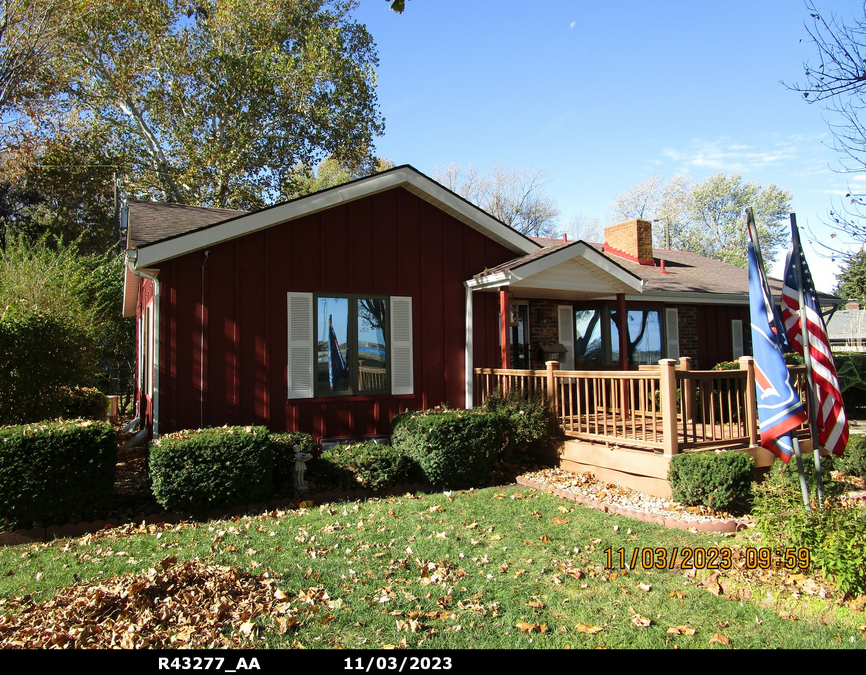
[(492, 568)]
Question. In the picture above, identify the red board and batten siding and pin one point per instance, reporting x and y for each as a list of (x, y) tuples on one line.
[(715, 339), (392, 243)]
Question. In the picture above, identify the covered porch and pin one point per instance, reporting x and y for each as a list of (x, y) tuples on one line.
[(625, 426)]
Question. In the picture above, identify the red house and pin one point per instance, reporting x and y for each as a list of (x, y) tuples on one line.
[(333, 312)]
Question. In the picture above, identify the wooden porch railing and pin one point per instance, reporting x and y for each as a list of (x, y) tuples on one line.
[(668, 407)]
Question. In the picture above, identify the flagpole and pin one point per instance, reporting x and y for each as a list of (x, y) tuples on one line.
[(774, 383), (807, 358)]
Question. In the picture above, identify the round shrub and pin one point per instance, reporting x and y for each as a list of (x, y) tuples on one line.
[(205, 468), (367, 465), (454, 448), (719, 480), (528, 421)]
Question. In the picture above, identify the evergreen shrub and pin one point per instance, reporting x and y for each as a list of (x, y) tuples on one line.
[(366, 464), (719, 480), (56, 472), (453, 448), (200, 469), (528, 420)]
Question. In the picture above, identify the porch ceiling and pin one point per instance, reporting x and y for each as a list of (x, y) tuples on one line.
[(576, 271)]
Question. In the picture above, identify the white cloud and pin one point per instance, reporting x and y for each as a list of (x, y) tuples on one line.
[(798, 154)]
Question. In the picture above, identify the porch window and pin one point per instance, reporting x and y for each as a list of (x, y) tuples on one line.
[(597, 336), (343, 345)]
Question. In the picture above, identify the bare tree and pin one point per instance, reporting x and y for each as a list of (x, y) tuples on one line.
[(585, 228), (837, 80), (662, 203), (512, 195)]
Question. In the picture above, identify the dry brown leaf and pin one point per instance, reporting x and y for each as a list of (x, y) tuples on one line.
[(681, 630), (536, 603), (544, 539), (641, 621), (526, 627), (718, 638), (559, 521), (589, 628)]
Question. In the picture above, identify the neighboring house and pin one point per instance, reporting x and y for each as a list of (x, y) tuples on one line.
[(336, 311), (846, 329)]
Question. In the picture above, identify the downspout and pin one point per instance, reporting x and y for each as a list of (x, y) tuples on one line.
[(131, 258), (201, 349), (469, 391)]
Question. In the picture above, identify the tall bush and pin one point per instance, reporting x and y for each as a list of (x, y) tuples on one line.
[(39, 355)]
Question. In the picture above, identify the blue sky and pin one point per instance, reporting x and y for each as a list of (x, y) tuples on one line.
[(603, 94)]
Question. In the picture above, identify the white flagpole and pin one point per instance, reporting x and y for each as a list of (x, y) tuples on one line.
[(807, 358)]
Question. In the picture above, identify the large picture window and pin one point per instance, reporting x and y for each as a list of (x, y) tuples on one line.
[(351, 349), (597, 336), (344, 345)]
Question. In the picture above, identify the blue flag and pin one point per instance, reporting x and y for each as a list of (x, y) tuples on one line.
[(336, 365), (780, 410)]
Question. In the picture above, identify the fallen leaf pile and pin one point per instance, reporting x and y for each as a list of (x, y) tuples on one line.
[(180, 605)]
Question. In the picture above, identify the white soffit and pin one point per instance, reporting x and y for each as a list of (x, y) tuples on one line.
[(578, 267), (405, 176)]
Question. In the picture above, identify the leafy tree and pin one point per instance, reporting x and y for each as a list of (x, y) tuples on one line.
[(27, 33), (329, 173), (216, 100), (63, 187), (708, 218), (514, 196), (851, 280)]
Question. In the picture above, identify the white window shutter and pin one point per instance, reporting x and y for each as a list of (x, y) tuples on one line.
[(737, 338), (301, 345), (673, 332), (565, 315), (402, 376)]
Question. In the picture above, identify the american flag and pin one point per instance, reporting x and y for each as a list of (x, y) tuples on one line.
[(831, 420), (780, 410)]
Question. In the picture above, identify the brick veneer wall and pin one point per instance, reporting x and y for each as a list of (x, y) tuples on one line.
[(543, 326), (687, 319)]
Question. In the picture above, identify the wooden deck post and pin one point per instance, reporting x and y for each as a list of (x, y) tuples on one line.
[(747, 363), (688, 391), (622, 327), (551, 386), (504, 320), (668, 390)]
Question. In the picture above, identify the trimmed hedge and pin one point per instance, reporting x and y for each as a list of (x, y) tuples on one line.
[(453, 448), (367, 465), (719, 480), (56, 472), (205, 468)]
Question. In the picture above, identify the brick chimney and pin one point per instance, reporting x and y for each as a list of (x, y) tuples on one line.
[(852, 304), (632, 240)]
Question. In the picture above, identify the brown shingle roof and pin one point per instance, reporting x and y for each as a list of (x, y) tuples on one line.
[(154, 221)]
